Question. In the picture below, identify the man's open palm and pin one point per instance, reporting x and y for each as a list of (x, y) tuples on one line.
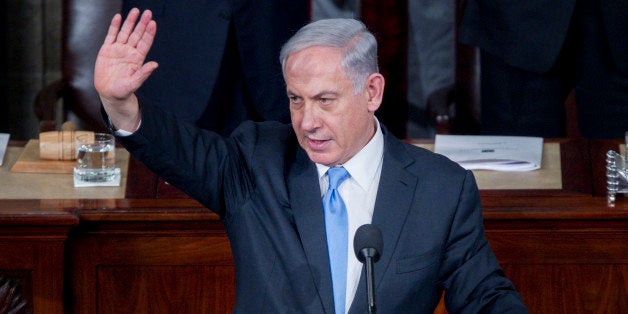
[(120, 68)]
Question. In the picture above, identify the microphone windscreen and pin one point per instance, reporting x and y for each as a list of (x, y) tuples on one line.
[(369, 237)]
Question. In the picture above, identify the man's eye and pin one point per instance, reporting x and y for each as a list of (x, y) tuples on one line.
[(325, 101), (295, 99)]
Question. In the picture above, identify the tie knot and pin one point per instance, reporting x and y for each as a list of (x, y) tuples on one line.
[(336, 176)]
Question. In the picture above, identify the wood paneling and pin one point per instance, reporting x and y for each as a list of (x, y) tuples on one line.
[(571, 288), (154, 260), (31, 252), (165, 289)]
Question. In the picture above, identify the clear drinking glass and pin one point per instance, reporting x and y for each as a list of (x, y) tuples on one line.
[(95, 157)]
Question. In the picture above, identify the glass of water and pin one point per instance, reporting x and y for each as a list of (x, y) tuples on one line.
[(95, 157)]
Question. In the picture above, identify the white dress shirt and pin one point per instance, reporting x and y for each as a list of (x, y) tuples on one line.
[(358, 193)]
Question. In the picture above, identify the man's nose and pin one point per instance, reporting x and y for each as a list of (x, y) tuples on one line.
[(310, 120)]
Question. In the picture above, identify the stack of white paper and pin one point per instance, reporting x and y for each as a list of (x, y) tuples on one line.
[(4, 141), (501, 153)]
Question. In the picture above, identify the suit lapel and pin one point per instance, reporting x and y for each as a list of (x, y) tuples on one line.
[(302, 180), (394, 197)]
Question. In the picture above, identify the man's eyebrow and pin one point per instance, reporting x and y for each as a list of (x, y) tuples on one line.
[(325, 93), (321, 94)]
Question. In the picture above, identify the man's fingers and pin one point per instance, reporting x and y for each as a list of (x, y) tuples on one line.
[(112, 33), (146, 41), (118, 70), (127, 26), (140, 28), (141, 75)]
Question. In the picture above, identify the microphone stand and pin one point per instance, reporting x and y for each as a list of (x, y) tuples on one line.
[(368, 244), (369, 263)]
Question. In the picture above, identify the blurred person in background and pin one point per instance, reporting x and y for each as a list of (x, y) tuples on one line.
[(535, 52)]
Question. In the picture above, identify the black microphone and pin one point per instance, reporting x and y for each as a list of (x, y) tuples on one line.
[(368, 245)]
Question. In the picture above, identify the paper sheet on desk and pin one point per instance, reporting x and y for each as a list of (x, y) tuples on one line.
[(4, 141), (500, 153)]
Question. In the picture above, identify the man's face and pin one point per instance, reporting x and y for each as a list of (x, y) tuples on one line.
[(331, 122)]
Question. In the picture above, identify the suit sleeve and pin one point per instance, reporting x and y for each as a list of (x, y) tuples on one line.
[(471, 276), (199, 162)]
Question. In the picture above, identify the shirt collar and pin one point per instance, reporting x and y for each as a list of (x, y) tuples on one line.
[(363, 166)]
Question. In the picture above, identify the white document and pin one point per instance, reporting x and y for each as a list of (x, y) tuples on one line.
[(4, 141), (501, 153)]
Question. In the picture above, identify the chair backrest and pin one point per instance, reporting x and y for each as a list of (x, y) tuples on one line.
[(83, 31)]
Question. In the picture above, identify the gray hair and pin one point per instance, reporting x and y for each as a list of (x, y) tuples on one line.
[(349, 35)]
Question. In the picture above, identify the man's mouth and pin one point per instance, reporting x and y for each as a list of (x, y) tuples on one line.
[(317, 144)]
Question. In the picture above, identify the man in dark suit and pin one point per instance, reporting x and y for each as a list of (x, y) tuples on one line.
[(267, 179), (219, 59), (535, 52)]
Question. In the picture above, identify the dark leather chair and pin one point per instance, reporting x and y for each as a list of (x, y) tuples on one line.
[(83, 31)]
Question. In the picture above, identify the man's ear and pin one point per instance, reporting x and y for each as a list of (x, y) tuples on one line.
[(374, 91)]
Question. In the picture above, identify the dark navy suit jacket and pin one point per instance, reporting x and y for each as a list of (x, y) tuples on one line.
[(266, 190)]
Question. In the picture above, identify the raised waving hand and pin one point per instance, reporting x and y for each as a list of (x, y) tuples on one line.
[(120, 69)]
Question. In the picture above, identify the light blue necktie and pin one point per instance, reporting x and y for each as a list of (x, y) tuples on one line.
[(336, 229)]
